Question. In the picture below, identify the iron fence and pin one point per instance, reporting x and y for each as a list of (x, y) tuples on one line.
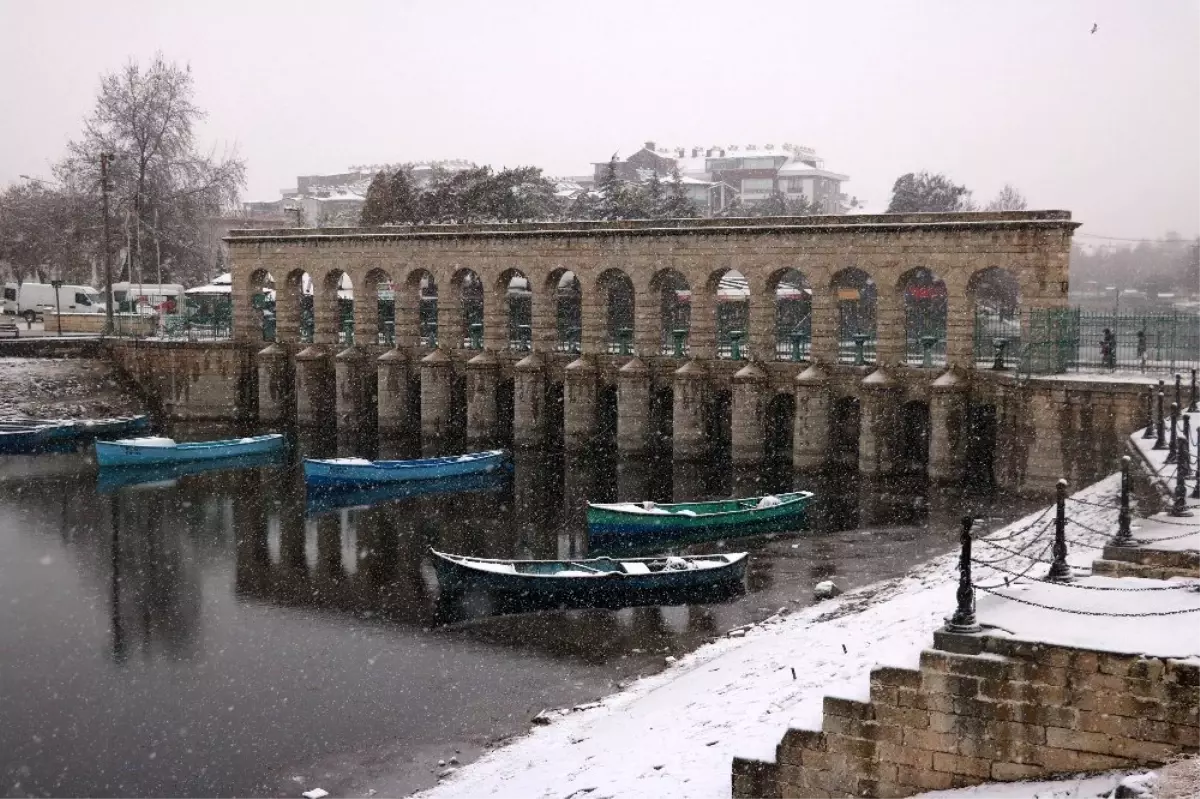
[(1070, 339), (997, 339)]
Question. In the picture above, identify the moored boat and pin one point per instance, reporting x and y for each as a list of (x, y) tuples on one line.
[(30, 438), (153, 450), (636, 524), (337, 472), (63, 430), (592, 577), (111, 479)]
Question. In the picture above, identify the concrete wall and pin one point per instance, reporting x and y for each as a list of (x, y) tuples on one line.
[(96, 322), (209, 380), (994, 709)]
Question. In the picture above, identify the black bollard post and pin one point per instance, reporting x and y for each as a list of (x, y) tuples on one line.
[(1192, 407), (1196, 488), (1160, 429), (1183, 447), (963, 620), (1172, 449), (1179, 507), (1148, 433), (1059, 570), (1124, 536), (1179, 390)]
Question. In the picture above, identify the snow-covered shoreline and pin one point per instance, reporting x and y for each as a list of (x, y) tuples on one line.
[(674, 734)]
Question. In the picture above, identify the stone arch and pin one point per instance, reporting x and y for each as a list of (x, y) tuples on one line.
[(417, 309), (563, 285), (375, 310), (912, 437), (857, 299), (294, 307), (994, 299), (674, 302), (259, 288), (514, 291), (779, 427), (467, 287), (615, 289), (792, 297), (730, 290), (925, 301), (845, 421)]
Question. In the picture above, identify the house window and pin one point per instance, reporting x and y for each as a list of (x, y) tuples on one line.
[(758, 163), (795, 185), (757, 185)]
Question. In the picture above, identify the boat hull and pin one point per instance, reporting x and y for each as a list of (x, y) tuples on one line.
[(35, 436), (112, 479), (610, 530), (331, 474), (454, 575), (114, 454)]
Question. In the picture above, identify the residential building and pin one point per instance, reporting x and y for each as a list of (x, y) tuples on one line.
[(751, 173)]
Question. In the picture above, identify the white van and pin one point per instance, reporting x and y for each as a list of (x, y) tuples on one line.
[(31, 300)]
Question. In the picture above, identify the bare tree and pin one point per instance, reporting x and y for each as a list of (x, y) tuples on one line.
[(1009, 199), (168, 189)]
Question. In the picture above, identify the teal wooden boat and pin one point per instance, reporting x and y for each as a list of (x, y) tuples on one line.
[(152, 451), (110, 480), (595, 579), (638, 524)]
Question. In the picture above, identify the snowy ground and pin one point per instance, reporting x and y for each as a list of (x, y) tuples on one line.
[(674, 734)]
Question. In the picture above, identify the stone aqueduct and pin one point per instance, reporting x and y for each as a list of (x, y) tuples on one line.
[(315, 381)]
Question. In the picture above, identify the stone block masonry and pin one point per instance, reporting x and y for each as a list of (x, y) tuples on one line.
[(983, 708), (192, 380)]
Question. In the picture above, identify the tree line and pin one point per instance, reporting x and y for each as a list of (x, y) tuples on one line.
[(163, 189)]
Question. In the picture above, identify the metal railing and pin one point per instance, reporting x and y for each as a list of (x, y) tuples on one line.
[(1058, 341)]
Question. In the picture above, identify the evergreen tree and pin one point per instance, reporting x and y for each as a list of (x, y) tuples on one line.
[(676, 204), (377, 209), (404, 197), (612, 194), (927, 192)]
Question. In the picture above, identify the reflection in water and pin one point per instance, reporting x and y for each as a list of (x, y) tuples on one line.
[(228, 605)]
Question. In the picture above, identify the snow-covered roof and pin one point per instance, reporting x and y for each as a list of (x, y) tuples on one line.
[(797, 168)]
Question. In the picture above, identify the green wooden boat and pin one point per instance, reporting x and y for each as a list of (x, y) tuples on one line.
[(638, 524)]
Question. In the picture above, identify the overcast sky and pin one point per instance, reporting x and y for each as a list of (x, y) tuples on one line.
[(1106, 125)]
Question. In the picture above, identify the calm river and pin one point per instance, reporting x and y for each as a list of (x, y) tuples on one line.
[(214, 635)]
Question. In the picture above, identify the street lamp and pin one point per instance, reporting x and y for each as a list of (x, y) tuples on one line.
[(57, 306)]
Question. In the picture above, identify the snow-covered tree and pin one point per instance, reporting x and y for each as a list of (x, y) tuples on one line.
[(916, 192), (1008, 199)]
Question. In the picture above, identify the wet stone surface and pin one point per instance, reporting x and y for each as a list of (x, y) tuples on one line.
[(216, 635), (62, 388)]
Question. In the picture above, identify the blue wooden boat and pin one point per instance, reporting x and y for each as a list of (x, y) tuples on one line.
[(619, 525), (151, 450), (320, 474), (111, 479), (90, 428), (331, 499), (593, 578)]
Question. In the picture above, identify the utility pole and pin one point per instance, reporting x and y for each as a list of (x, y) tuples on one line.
[(105, 158)]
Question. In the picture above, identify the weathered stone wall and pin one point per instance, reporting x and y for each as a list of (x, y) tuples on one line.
[(192, 380), (984, 708), (95, 323)]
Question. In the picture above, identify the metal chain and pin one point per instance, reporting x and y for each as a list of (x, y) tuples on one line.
[(1021, 530), (1093, 612), (1014, 553), (1089, 529), (1033, 562), (1181, 587)]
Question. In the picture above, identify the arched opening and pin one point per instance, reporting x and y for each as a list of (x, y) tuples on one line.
[(470, 296), (793, 315), (733, 312), (675, 311), (616, 289), (554, 413), (514, 287), (419, 320), (979, 458), (662, 416), (857, 298), (262, 303), (781, 413), (563, 285), (606, 415), (505, 399), (844, 421), (925, 310), (377, 285), (719, 421), (995, 297), (912, 439)]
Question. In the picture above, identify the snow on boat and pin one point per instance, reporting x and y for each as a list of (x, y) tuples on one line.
[(594, 578), (362, 472), (156, 450), (635, 524), (335, 498)]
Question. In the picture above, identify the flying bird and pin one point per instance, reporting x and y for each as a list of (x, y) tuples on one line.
[(1094, 26)]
